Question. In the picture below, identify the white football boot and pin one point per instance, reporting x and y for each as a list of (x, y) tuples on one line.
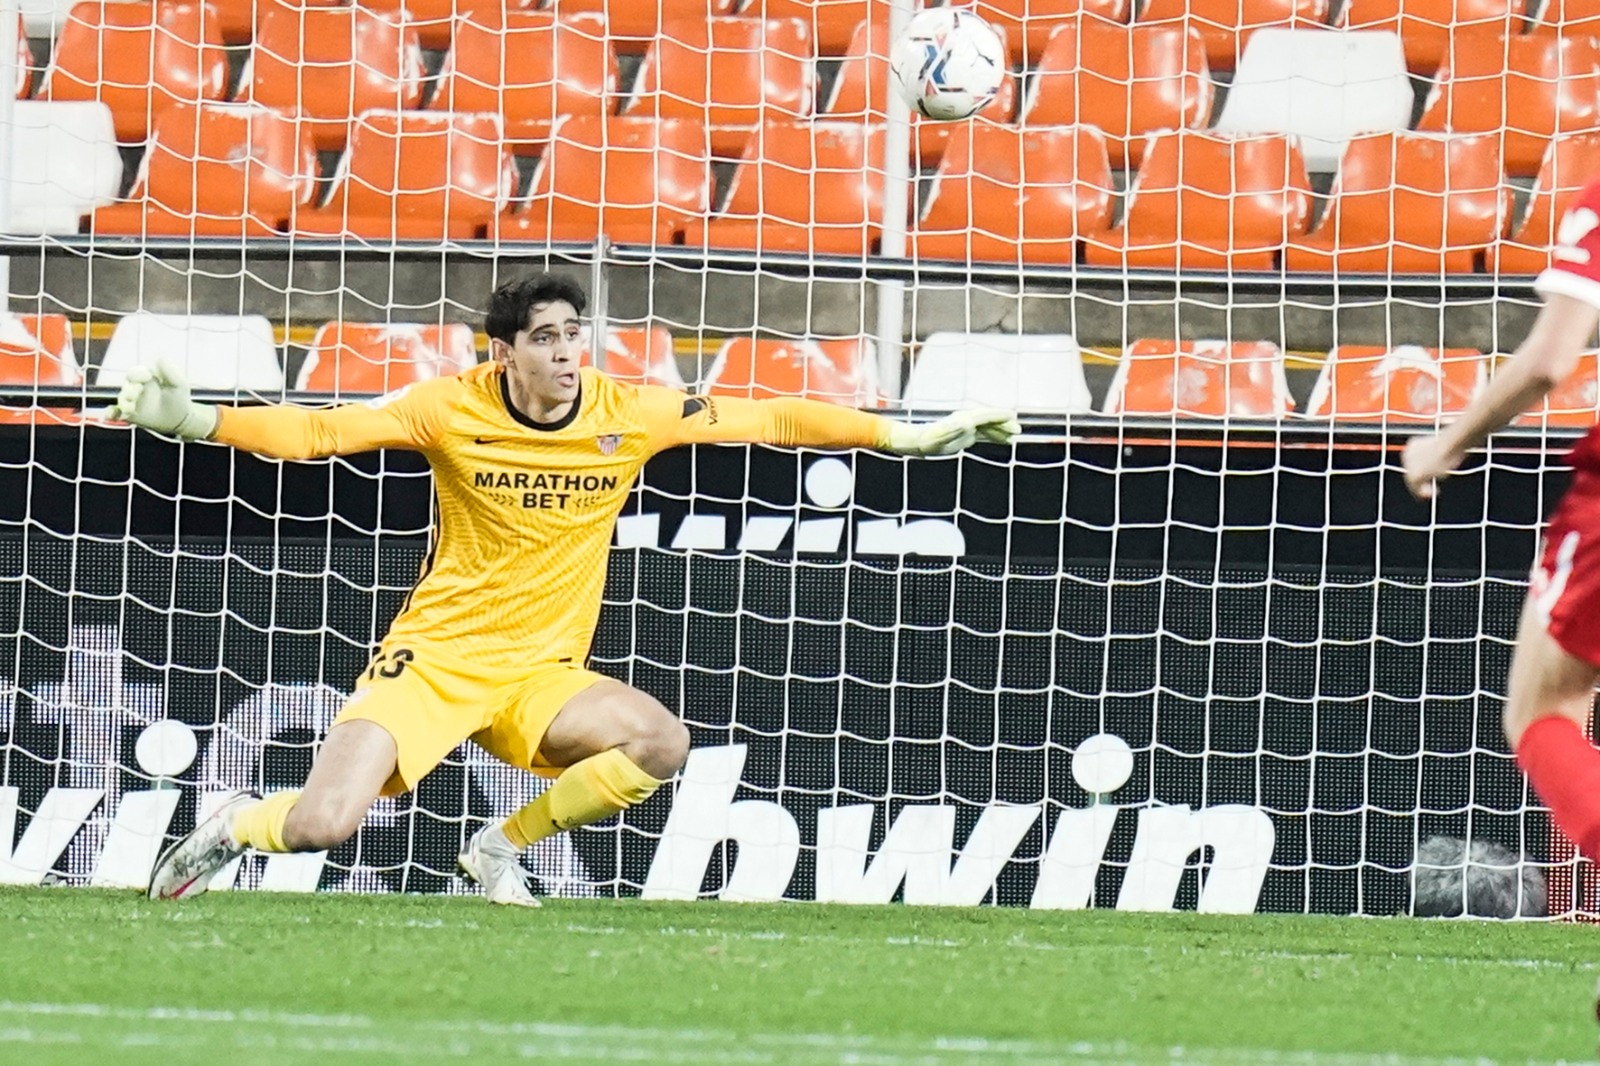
[(185, 869), (491, 860)]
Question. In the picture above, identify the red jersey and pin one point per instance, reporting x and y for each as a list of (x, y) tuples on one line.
[(1575, 271)]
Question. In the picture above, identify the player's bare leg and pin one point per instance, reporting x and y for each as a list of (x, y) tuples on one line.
[(618, 746), (350, 771)]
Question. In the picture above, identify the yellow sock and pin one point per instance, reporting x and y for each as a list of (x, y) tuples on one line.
[(586, 791), (260, 825)]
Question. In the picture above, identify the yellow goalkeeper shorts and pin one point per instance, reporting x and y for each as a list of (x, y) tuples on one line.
[(430, 701)]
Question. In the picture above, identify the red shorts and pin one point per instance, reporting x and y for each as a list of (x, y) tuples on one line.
[(1565, 583)]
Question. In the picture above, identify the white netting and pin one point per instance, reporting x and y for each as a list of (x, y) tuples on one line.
[(1189, 645)]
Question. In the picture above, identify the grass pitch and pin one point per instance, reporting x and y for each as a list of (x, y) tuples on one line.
[(249, 978)]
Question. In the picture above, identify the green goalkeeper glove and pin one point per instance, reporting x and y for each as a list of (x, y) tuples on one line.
[(954, 433), (157, 398)]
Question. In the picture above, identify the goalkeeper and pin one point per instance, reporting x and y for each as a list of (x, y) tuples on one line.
[(532, 460)]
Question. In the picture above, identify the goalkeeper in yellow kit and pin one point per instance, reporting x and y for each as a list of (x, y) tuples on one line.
[(532, 460)]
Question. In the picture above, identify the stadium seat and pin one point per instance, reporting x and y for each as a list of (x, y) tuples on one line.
[(859, 93), (1407, 383), (1226, 26), (1574, 18), (221, 352), (63, 164), (1035, 373), (1200, 379), (635, 18), (640, 355), (833, 23), (418, 175), (1569, 164), (1323, 86), (1209, 202), (1027, 25), (329, 64), (558, 65), (24, 68), (634, 180), (436, 21), (138, 58), (1410, 203), (730, 74), (1010, 195), (44, 18), (1533, 88), (236, 170), (1127, 80), (1432, 29), (1573, 403), (360, 358), (803, 187), (38, 350), (837, 371)]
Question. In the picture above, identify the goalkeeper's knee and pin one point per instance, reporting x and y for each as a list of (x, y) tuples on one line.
[(654, 739)]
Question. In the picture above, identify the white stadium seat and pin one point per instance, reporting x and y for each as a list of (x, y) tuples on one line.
[(42, 18), (1038, 373), (215, 351), (64, 163), (1324, 85)]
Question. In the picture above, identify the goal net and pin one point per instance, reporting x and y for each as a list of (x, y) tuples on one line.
[(1188, 645)]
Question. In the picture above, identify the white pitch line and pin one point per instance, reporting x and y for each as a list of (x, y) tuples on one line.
[(354, 1034)]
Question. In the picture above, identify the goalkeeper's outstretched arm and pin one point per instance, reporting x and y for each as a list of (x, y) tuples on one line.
[(676, 419), (158, 399)]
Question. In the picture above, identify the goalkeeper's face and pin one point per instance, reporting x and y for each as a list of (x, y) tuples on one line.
[(542, 363)]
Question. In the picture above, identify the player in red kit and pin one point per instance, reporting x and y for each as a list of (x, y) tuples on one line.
[(1556, 662)]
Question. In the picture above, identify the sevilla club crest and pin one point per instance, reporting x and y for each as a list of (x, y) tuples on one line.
[(608, 443)]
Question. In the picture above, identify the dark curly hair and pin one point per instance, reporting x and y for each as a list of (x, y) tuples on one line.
[(512, 304)]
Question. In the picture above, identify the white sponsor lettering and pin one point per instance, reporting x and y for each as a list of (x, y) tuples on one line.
[(918, 846), (828, 484)]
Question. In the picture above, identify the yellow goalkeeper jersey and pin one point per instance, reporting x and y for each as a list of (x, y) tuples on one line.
[(524, 511)]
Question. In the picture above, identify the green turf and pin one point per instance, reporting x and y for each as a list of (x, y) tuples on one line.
[(246, 978)]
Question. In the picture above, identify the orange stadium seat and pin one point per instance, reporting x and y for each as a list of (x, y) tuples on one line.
[(640, 355), (1410, 203), (833, 23), (1211, 202), (24, 68), (633, 179), (138, 58), (435, 20), (1407, 384), (731, 74), (837, 371), (1569, 164), (239, 19), (803, 187), (1127, 80), (1200, 379), (1027, 25), (418, 174), (1226, 25), (329, 64), (1016, 195), (236, 170), (859, 92), (638, 18), (1576, 18), (530, 66), (1430, 30), (1575, 402), (38, 350), (359, 358), (1533, 88)]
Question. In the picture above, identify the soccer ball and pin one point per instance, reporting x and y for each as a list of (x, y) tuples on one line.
[(948, 63)]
